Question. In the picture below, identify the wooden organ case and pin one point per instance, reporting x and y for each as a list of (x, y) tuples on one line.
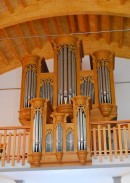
[(59, 106)]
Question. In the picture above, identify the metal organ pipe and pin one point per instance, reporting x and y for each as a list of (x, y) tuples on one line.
[(81, 119), (104, 84), (46, 90), (37, 132), (87, 88), (59, 138), (30, 85), (66, 75)]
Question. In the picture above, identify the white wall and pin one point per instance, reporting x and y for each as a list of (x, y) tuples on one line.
[(10, 99), (122, 87)]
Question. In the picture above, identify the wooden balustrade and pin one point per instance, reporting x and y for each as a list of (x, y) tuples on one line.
[(110, 139), (13, 145)]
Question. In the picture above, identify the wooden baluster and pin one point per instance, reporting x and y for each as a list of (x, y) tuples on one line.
[(9, 147), (129, 136), (24, 147), (19, 147), (99, 143), (14, 148), (104, 139), (110, 141), (94, 143), (125, 142), (115, 141), (120, 142), (4, 148)]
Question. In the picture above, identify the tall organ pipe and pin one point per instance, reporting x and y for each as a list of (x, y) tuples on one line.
[(104, 84), (37, 132), (81, 120), (30, 85), (66, 75)]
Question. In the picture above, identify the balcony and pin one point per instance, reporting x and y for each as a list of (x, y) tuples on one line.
[(110, 141)]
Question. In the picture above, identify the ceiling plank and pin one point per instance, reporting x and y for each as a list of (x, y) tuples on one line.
[(57, 24), (10, 44), (105, 26), (82, 23), (118, 34), (94, 26), (8, 6), (34, 34), (121, 33), (4, 59), (122, 2), (22, 39), (72, 24), (46, 28), (22, 3)]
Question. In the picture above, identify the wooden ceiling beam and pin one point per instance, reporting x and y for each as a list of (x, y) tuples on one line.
[(8, 6), (57, 24), (22, 39), (82, 23), (105, 26), (94, 25), (10, 44), (122, 2), (36, 10), (3, 57), (121, 33), (22, 3), (34, 34), (72, 24), (46, 29)]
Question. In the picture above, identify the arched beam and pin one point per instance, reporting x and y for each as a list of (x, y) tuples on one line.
[(52, 8)]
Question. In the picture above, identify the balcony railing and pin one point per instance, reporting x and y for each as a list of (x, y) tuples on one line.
[(13, 145), (109, 139)]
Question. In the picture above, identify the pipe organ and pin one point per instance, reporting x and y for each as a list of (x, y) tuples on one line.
[(58, 106)]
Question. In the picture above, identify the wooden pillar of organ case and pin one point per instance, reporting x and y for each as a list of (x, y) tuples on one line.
[(102, 62), (28, 87), (81, 108), (67, 64), (37, 126)]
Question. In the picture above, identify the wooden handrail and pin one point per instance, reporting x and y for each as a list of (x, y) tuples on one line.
[(110, 122), (14, 127)]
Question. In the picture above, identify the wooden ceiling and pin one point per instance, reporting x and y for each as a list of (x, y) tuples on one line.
[(29, 26)]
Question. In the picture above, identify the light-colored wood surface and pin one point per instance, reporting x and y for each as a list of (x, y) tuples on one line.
[(28, 26)]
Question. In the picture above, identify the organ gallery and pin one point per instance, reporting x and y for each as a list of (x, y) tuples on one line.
[(59, 105)]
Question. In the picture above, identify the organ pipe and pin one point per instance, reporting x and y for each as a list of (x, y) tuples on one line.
[(46, 90), (37, 132), (81, 121), (30, 84), (37, 123), (87, 88), (70, 141), (66, 75), (59, 137), (104, 84), (49, 142)]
